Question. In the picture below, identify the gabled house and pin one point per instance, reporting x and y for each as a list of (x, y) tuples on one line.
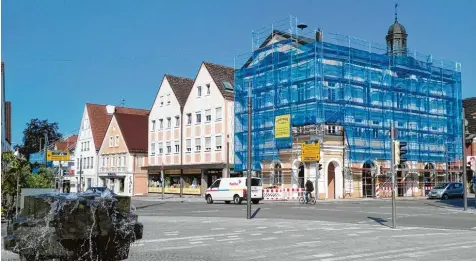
[(94, 125), (123, 153), (208, 125), (165, 132)]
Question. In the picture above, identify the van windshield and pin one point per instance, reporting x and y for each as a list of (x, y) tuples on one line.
[(255, 182)]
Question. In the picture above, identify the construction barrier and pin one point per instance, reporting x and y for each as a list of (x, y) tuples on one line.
[(283, 193)]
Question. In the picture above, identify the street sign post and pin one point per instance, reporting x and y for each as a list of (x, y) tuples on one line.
[(57, 156)]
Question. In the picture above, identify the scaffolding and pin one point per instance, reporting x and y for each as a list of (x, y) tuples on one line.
[(350, 82)]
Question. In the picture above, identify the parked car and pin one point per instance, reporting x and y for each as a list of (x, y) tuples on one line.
[(234, 189), (447, 190)]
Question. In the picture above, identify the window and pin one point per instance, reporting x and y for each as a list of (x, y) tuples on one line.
[(88, 146), (161, 124), (152, 149), (82, 146), (89, 182), (120, 161), (108, 163), (218, 114), (88, 162), (169, 148), (189, 119), (189, 145), (161, 149), (208, 89), (216, 184), (139, 160), (198, 144), (103, 161), (117, 140), (113, 161), (168, 99), (161, 100), (124, 160), (111, 141), (199, 91), (92, 161), (177, 147), (218, 142), (152, 128), (208, 115), (208, 143), (169, 122), (177, 121), (198, 117)]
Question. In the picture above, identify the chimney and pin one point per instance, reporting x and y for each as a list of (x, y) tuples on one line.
[(319, 35), (110, 109)]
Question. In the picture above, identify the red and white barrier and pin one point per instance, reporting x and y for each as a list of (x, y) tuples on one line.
[(377, 191), (283, 193)]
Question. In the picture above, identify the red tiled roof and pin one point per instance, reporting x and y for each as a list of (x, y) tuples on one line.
[(99, 119), (134, 131), (68, 144), (181, 87)]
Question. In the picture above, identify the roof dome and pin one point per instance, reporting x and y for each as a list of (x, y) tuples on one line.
[(396, 28)]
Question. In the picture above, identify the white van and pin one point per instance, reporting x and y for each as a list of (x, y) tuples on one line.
[(234, 189)]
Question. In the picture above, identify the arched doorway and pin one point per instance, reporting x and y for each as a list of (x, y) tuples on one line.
[(367, 179), (331, 181), (301, 175)]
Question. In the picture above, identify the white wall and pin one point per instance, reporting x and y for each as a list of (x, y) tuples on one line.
[(163, 111), (212, 101), (85, 135)]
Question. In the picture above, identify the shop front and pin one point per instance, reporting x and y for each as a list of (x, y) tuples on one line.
[(121, 184), (191, 182)]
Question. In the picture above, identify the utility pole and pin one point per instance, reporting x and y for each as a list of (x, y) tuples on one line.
[(46, 149), (394, 208), (465, 182), (163, 180), (248, 180)]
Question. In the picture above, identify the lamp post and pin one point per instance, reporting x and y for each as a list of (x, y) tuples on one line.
[(80, 187), (17, 155), (248, 180)]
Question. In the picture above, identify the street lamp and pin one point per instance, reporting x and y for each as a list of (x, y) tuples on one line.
[(17, 155), (248, 180)]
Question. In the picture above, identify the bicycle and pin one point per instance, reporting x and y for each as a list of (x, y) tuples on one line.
[(312, 200)]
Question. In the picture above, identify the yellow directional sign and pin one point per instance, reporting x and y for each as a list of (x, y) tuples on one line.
[(57, 156), (311, 152)]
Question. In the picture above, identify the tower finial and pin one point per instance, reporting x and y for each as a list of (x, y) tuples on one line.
[(396, 5)]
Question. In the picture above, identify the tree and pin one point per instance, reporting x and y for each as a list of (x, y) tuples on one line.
[(44, 179), (13, 170), (34, 136)]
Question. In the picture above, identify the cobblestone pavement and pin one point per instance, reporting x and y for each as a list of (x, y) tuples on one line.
[(205, 238)]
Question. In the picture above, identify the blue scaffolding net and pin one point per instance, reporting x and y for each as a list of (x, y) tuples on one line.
[(320, 78)]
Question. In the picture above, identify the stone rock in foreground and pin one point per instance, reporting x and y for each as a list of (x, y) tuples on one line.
[(74, 227)]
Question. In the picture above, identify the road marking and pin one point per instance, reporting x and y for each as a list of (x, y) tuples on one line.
[(239, 231), (196, 242), (218, 228), (256, 234), (323, 255), (297, 235), (182, 238), (278, 232), (372, 254), (228, 239), (171, 232), (421, 235), (204, 211), (262, 227), (352, 235), (269, 238)]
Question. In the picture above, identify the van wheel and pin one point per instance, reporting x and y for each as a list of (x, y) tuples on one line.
[(445, 197), (227, 202), (209, 199), (255, 201), (236, 199)]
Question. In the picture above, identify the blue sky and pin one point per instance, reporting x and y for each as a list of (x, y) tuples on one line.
[(60, 55)]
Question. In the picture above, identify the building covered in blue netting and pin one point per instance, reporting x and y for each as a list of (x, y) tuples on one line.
[(346, 93)]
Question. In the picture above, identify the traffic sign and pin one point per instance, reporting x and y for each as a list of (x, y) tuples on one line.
[(57, 156), (311, 152)]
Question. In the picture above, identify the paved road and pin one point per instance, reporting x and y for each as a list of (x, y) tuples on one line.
[(421, 213), (288, 231)]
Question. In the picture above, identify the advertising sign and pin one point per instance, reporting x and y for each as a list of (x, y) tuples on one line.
[(57, 156), (282, 126), (311, 152)]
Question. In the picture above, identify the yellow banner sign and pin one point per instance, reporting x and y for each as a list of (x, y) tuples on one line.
[(57, 156), (311, 152), (282, 126)]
